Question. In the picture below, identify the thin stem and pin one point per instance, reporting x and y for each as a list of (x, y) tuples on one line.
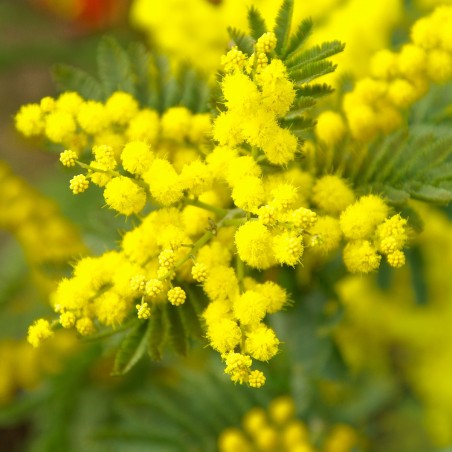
[(202, 205)]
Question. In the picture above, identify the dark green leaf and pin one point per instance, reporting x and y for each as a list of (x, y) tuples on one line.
[(241, 40), (176, 331), (131, 349), (395, 196), (140, 66), (416, 262), (315, 90), (68, 78), (312, 71), (432, 194), (282, 26), (300, 106), (114, 67), (158, 328), (256, 23), (317, 53), (299, 37)]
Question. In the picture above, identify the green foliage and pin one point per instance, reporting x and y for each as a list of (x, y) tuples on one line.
[(132, 348), (300, 36), (244, 42), (282, 26), (68, 78), (146, 76), (256, 23), (410, 164)]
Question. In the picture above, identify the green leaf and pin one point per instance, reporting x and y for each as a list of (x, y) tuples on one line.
[(315, 90), (114, 67), (241, 40), (432, 194), (256, 23), (282, 26), (68, 78), (312, 71), (140, 66), (190, 319), (416, 262), (394, 195), (176, 331), (299, 37), (300, 106), (299, 124), (158, 328), (131, 349), (316, 53)]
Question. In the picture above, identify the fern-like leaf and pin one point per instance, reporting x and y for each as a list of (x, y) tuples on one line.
[(282, 26), (131, 349), (244, 42), (68, 78), (316, 53), (312, 71), (297, 40), (114, 67), (315, 90), (256, 23)]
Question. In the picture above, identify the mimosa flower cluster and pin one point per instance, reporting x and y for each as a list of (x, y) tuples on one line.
[(218, 212), (398, 79), (277, 428)]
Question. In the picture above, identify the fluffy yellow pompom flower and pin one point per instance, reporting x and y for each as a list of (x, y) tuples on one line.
[(227, 129), (288, 248), (78, 184), (175, 123), (69, 102), (68, 158), (326, 234), (221, 283), (39, 332), (164, 183), (224, 335), (121, 107), (278, 92), (91, 117), (252, 240), (29, 120), (176, 296), (281, 148), (360, 219), (124, 195), (361, 257), (144, 126), (240, 93), (248, 193), (136, 157), (261, 343), (59, 126), (332, 194), (196, 177), (250, 307), (330, 127), (275, 296)]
